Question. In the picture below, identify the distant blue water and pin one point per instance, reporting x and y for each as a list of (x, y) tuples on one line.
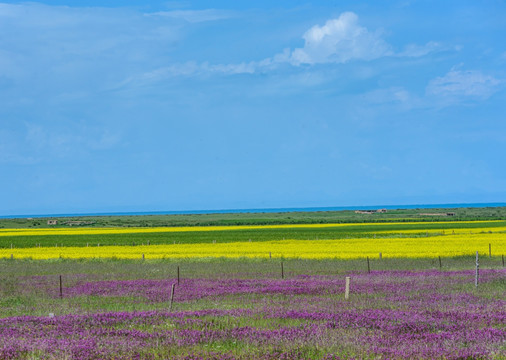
[(271, 210)]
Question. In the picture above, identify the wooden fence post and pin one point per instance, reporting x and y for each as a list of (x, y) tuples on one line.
[(178, 274), (282, 271), (172, 296), (61, 288), (347, 288), (440, 266), (503, 260), (380, 256), (368, 266), (490, 251)]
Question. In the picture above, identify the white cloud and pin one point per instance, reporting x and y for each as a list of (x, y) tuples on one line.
[(340, 40), (458, 84)]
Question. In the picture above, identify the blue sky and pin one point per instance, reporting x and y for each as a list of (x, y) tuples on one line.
[(152, 106)]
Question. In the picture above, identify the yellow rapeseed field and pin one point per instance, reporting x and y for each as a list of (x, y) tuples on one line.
[(433, 246)]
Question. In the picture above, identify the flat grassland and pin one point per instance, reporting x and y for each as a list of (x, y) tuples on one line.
[(246, 291)]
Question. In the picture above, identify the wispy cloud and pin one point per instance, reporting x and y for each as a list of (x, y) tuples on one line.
[(463, 84), (196, 16), (414, 50), (455, 87), (338, 41), (190, 68), (64, 47)]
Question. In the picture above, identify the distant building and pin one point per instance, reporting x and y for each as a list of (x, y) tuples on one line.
[(52, 222)]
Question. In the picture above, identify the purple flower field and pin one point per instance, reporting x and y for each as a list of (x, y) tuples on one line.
[(389, 315)]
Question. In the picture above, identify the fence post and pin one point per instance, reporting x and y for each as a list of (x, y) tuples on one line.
[(282, 271), (178, 274), (347, 288), (440, 266), (143, 257), (61, 288), (380, 256), (368, 266), (477, 271), (490, 251), (172, 296), (503, 260)]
